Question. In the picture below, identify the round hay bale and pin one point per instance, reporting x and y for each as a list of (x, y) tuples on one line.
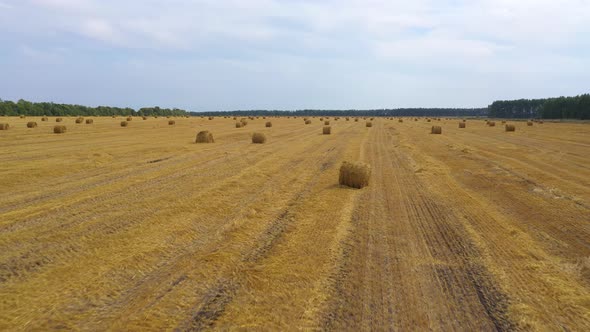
[(22, 116), (89, 121), (400, 120), (239, 125), (4, 126), (307, 122), (59, 129), (269, 124), (244, 122), (436, 130), (354, 175), (129, 118), (258, 138), (491, 123), (427, 120), (79, 120), (461, 124), (204, 137), (326, 123), (171, 123), (510, 127), (144, 117), (124, 123), (210, 118), (44, 118), (31, 124), (59, 120), (529, 123), (327, 130), (369, 124)]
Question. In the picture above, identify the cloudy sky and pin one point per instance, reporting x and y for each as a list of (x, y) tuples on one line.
[(280, 54)]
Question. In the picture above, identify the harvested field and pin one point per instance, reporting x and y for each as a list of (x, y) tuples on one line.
[(476, 229)]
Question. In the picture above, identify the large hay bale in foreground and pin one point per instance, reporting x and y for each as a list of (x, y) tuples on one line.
[(510, 127), (32, 124), (369, 124), (79, 120), (89, 121), (204, 137), (269, 124), (327, 130), (59, 120), (258, 138), (355, 175), (4, 126), (436, 130), (59, 129), (461, 124), (124, 123), (171, 123)]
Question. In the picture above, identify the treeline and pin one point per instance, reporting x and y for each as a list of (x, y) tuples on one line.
[(23, 107), (433, 112), (577, 107)]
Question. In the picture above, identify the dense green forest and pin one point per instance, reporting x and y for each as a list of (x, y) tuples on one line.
[(577, 107), (23, 107), (377, 112)]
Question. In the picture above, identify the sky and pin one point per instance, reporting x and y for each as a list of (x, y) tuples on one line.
[(208, 55)]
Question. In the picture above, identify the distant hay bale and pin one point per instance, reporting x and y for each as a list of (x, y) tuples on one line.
[(129, 118), (356, 120), (59, 129), (124, 123), (461, 124), (4, 126), (44, 118), (31, 124), (369, 124), (400, 120), (268, 124), (59, 120), (79, 120), (510, 127), (244, 122), (204, 137), (210, 118), (354, 175), (372, 119), (235, 118), (540, 121), (144, 117), (89, 121), (307, 122), (326, 123), (436, 130), (529, 123), (427, 120), (239, 125), (327, 130), (258, 138), (464, 120), (171, 123), (491, 123), (503, 122)]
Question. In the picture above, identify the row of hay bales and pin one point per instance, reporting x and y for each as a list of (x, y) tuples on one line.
[(438, 129)]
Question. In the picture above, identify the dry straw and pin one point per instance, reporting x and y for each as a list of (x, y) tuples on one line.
[(4, 126), (22, 116), (79, 120), (529, 123), (144, 117), (32, 124), (204, 137), (129, 118), (258, 138), (491, 123), (355, 175), (436, 130), (510, 127), (124, 123), (461, 124), (44, 118), (400, 120), (326, 123), (59, 129), (369, 124), (239, 125), (59, 120), (307, 122), (89, 121), (327, 130), (171, 123), (269, 124)]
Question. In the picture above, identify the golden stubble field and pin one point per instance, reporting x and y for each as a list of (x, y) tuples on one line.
[(139, 228)]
